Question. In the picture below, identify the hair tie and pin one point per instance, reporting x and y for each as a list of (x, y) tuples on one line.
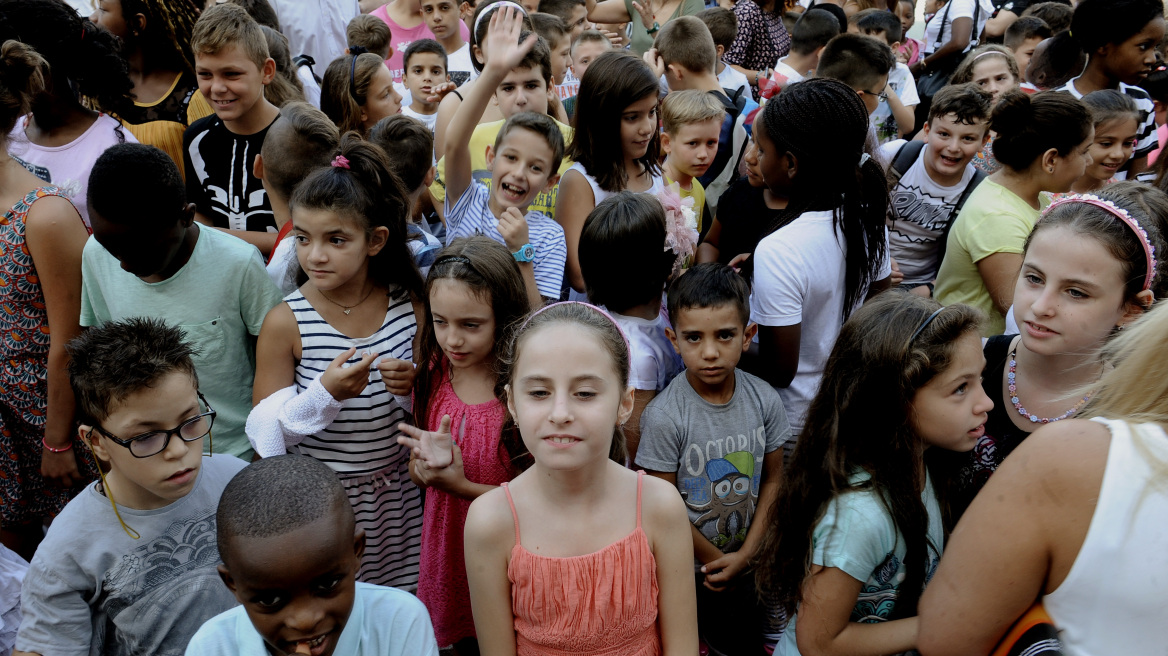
[(597, 308), (358, 50), (453, 258), (924, 325), (491, 9), (1124, 216), (341, 162)]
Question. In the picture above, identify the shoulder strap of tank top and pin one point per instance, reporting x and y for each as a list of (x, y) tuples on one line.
[(640, 479), (515, 515)]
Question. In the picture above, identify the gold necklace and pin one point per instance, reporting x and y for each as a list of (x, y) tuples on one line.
[(348, 308)]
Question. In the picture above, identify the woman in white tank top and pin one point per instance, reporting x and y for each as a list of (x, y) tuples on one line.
[(1076, 517)]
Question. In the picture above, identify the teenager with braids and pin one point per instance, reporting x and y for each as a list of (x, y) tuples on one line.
[(156, 43), (61, 138), (828, 250)]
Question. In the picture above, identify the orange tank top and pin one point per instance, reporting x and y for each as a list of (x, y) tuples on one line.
[(600, 604)]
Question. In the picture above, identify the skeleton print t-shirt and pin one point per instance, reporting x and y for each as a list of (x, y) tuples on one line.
[(220, 181), (716, 450)]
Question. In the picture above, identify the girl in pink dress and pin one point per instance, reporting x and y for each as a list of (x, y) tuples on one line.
[(474, 294)]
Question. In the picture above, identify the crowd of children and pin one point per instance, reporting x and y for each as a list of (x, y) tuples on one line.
[(576, 327)]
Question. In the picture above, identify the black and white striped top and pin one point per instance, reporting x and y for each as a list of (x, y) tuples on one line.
[(362, 439)]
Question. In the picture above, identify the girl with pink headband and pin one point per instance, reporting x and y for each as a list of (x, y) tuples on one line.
[(1088, 270)]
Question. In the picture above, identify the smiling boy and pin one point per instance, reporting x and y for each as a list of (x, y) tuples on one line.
[(717, 433), (425, 63), (524, 161), (128, 567), (233, 67), (932, 179), (310, 603)]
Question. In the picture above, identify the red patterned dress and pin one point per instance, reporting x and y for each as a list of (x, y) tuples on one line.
[(24, 355)]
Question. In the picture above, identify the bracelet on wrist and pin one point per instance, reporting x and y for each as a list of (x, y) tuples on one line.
[(654, 29), (54, 449)]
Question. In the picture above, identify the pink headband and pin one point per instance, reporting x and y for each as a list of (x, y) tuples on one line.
[(596, 308), (1121, 214)]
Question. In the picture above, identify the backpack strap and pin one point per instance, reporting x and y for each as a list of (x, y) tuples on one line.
[(908, 153), (978, 176)]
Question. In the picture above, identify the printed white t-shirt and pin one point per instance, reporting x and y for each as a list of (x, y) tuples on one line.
[(902, 83)]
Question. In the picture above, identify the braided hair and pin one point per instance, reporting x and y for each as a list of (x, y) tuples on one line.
[(823, 124), (83, 60), (169, 24)]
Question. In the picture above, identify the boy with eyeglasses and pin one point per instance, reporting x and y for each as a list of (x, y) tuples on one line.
[(129, 566)]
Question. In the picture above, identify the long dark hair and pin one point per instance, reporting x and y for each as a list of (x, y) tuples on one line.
[(612, 82), (487, 268), (861, 421), (167, 36), (84, 60), (366, 191), (1028, 126), (824, 124)]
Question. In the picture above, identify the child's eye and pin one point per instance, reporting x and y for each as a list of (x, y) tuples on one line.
[(300, 239), (585, 394), (726, 335), (330, 585), (1076, 293), (1033, 279), (337, 241), (268, 602), (962, 388), (509, 157), (538, 394)]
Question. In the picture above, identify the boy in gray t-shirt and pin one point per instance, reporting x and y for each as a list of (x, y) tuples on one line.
[(717, 434), (129, 566)]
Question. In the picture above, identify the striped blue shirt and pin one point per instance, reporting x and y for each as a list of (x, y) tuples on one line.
[(472, 216)]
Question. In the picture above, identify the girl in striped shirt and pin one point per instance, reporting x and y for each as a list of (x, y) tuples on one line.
[(341, 348)]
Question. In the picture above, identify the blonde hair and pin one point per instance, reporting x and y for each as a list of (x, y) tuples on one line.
[(227, 25), (682, 108), (687, 41), (1136, 388), (369, 32), (344, 90)]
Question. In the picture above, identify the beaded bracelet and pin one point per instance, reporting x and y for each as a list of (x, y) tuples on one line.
[(54, 449)]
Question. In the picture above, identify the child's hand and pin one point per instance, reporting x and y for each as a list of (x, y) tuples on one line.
[(646, 16), (449, 479), (897, 277), (617, 39), (654, 61), (736, 262), (433, 449), (503, 40), (437, 93), (721, 572), (347, 382), (513, 226), (398, 376)]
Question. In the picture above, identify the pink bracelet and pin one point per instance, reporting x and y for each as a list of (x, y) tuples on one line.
[(55, 450)]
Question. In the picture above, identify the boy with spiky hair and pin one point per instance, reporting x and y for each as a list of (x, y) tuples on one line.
[(128, 567)]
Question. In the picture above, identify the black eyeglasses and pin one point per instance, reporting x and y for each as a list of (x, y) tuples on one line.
[(882, 95), (155, 442)]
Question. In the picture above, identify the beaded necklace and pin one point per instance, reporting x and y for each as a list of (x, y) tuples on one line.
[(1011, 376)]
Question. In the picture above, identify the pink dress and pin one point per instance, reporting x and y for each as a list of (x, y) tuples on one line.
[(599, 604), (442, 582)]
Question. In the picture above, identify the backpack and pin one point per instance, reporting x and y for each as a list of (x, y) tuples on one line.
[(902, 161)]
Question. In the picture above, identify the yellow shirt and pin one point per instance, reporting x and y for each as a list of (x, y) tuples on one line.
[(994, 220), (697, 192), (484, 135)]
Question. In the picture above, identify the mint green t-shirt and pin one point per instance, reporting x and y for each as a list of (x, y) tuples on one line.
[(857, 535), (219, 298)]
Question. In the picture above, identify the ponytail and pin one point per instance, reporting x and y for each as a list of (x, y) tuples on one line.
[(21, 76), (1028, 126), (361, 186)]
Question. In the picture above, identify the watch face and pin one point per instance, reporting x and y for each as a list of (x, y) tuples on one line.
[(525, 254)]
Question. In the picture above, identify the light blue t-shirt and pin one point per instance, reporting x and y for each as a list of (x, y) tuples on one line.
[(384, 622), (219, 298), (858, 536)]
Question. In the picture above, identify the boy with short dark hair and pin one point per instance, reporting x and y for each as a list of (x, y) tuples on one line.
[(312, 603), (1023, 36), (895, 116), (932, 179), (588, 47), (524, 161), (559, 41), (1053, 63), (717, 433), (860, 62), (128, 567), (723, 26), (150, 258), (302, 139), (410, 146), (425, 68), (572, 12), (442, 17), (1055, 14), (233, 67), (685, 50), (811, 35), (370, 33)]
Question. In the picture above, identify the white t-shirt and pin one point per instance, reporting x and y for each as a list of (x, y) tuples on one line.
[(902, 83), (732, 80), (956, 9), (428, 119), (459, 67), (923, 209), (316, 28), (652, 360), (785, 76), (311, 88), (571, 85), (799, 279)]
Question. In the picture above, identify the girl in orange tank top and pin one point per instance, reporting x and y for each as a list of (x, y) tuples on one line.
[(562, 560)]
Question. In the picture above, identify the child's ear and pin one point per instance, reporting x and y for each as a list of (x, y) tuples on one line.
[(748, 336), (625, 410), (510, 399), (93, 439), (225, 576), (478, 54), (490, 156), (673, 340), (677, 70), (377, 240), (792, 165), (1135, 309), (665, 147), (553, 180), (188, 215), (257, 167), (1049, 159), (721, 50), (359, 543), (895, 46), (268, 72), (428, 179)]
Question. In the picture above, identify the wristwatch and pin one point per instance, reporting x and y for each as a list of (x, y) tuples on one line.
[(654, 29), (526, 253)]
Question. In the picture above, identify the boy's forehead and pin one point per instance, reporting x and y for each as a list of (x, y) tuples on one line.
[(529, 142), (230, 55), (723, 315), (952, 122), (425, 59), (522, 75), (439, 4)]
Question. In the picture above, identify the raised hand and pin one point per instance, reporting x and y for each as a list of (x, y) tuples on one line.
[(347, 382), (502, 40), (646, 16), (434, 449)]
